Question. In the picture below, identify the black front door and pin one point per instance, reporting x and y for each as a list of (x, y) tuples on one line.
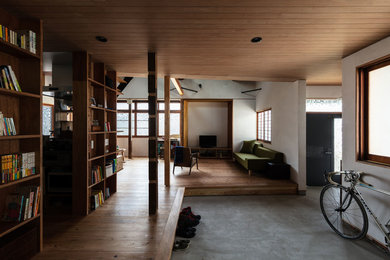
[(319, 147)]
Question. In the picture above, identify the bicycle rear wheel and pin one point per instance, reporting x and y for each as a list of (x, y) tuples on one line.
[(344, 212)]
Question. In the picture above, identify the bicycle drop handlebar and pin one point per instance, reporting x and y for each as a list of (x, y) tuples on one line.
[(350, 176)]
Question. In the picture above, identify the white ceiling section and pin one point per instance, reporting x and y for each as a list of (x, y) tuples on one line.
[(210, 39)]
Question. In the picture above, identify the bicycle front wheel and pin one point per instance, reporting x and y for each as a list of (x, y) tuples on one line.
[(344, 212)]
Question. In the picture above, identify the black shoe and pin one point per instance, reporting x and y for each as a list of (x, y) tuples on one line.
[(184, 232), (188, 211), (187, 221)]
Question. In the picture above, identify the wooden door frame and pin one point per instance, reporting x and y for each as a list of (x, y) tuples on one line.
[(184, 119)]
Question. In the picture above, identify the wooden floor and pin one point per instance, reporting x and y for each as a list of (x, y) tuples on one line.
[(225, 177), (122, 229)]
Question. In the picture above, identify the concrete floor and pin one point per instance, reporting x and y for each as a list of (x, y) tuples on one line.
[(268, 227)]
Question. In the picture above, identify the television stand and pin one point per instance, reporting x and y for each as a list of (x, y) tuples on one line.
[(213, 152)]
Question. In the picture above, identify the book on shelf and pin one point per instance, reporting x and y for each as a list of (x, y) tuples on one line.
[(107, 127), (22, 204), (7, 127), (17, 166), (97, 199), (97, 174), (8, 79), (25, 39)]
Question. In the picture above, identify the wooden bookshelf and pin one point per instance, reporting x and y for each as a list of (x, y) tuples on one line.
[(90, 81), (26, 109)]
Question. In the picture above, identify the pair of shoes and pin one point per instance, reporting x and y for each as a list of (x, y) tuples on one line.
[(186, 232), (181, 245), (188, 211), (187, 221)]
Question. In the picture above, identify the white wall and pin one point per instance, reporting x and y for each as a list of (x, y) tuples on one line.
[(244, 122), (123, 142), (380, 175), (207, 118), (287, 101), (140, 146), (244, 113), (323, 92)]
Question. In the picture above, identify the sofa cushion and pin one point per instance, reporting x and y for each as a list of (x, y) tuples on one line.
[(248, 146), (242, 158), (264, 152)]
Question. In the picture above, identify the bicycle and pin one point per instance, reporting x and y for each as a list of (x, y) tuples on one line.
[(345, 209)]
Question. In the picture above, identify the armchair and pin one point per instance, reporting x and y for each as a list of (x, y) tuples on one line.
[(184, 158)]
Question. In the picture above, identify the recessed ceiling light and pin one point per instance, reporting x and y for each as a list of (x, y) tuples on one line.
[(101, 38), (256, 39)]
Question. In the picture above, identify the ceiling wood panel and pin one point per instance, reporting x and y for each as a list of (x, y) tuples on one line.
[(302, 39)]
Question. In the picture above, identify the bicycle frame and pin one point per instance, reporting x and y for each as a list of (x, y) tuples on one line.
[(352, 188)]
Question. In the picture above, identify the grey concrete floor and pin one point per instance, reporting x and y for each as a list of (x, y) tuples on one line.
[(268, 227)]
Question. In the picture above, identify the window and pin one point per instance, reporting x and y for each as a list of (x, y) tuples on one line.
[(264, 126), (140, 118), (47, 119), (324, 105), (373, 106), (122, 118)]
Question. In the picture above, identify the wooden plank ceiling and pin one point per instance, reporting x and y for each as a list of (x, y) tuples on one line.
[(302, 39)]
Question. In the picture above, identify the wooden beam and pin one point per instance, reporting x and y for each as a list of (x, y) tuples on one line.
[(167, 140), (153, 161), (177, 85)]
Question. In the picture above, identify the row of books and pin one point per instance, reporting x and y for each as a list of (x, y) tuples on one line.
[(7, 126), (8, 78), (25, 39), (17, 166), (23, 204), (107, 127), (111, 167), (97, 199), (97, 174)]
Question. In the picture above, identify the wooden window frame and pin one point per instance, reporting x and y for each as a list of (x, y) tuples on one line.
[(362, 108), (257, 126), (136, 111)]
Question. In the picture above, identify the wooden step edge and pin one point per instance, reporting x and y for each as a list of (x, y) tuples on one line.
[(164, 251), (238, 191)]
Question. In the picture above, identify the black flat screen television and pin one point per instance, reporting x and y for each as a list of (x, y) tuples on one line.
[(208, 141)]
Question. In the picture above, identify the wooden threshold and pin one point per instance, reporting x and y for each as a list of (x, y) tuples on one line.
[(241, 190), (165, 249)]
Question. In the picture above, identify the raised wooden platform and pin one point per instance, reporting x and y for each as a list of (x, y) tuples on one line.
[(225, 177)]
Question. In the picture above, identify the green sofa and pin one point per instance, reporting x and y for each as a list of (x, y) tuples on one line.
[(254, 157)]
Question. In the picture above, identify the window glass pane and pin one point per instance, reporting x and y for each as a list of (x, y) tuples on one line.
[(337, 143), (123, 123), (142, 106), (161, 106), (379, 107), (174, 106), (175, 124), (161, 124), (323, 105), (142, 132), (132, 106), (142, 124), (122, 106), (47, 119)]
